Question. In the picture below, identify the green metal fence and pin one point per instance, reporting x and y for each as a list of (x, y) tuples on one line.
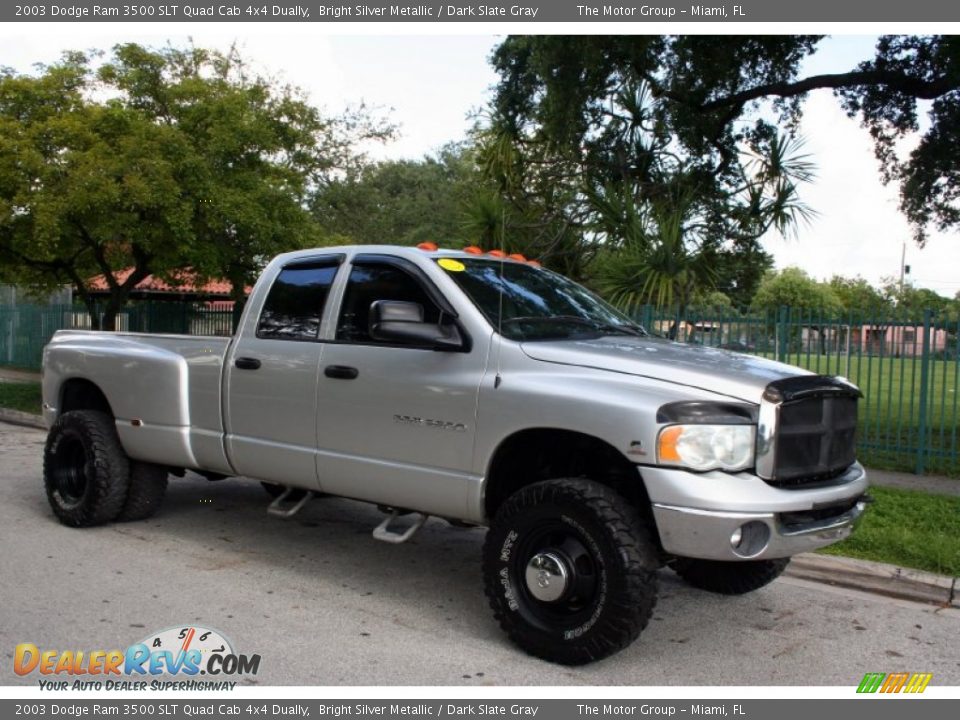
[(907, 367), (25, 329)]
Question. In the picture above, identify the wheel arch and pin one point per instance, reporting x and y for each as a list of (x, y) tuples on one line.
[(82, 394), (534, 454)]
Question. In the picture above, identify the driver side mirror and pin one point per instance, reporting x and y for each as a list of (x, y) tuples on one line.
[(400, 321)]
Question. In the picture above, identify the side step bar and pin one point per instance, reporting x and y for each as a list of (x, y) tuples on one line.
[(383, 532), (284, 507)]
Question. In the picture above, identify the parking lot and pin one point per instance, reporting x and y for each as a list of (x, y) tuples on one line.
[(325, 604)]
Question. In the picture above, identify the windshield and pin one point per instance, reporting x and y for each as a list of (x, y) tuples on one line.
[(537, 304)]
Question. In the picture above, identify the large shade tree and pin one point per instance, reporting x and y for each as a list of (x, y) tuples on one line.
[(149, 162), (707, 125)]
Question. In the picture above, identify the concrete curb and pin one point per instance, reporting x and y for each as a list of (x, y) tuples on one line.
[(15, 417), (863, 575), (877, 578)]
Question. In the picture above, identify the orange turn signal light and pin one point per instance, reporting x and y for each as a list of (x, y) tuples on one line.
[(667, 444)]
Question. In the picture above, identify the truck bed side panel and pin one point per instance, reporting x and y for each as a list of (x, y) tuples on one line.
[(164, 391)]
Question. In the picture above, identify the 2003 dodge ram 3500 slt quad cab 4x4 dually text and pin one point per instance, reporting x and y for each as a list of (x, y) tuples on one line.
[(484, 390)]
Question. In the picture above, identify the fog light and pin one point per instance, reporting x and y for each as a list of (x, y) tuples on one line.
[(750, 539), (736, 538)]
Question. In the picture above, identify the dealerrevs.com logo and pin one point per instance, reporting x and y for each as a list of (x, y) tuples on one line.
[(182, 651)]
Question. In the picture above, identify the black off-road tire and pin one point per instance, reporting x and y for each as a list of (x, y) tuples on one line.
[(611, 561), (729, 578), (148, 484), (86, 473)]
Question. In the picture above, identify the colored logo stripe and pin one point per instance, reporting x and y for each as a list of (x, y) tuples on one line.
[(894, 682)]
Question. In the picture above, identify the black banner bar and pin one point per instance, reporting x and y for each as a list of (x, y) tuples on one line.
[(579, 11)]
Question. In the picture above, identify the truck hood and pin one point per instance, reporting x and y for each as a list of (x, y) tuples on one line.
[(717, 371)]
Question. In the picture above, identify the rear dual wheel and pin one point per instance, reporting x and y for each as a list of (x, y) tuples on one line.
[(88, 478)]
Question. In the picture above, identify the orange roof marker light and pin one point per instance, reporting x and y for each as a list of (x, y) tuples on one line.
[(535, 263), (518, 257), (428, 246), (497, 253), (473, 250)]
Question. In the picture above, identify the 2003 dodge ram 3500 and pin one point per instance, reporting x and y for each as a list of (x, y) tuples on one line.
[(483, 390)]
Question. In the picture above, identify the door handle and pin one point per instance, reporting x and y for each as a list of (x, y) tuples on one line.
[(341, 372), (247, 363)]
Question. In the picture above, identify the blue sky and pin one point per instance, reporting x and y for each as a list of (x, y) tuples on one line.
[(430, 84)]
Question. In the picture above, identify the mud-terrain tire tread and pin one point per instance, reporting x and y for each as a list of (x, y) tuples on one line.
[(628, 610), (109, 481), (148, 484), (729, 578)]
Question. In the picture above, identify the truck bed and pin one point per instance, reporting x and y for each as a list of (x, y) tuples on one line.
[(165, 390)]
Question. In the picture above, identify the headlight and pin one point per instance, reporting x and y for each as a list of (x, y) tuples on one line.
[(707, 447)]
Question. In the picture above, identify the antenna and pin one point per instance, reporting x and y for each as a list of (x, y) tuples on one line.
[(503, 256)]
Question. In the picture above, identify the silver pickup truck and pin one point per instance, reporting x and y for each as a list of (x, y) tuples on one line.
[(486, 391)]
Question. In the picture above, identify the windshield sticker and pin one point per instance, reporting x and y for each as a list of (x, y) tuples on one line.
[(451, 265)]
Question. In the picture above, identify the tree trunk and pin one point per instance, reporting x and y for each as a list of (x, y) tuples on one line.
[(111, 311)]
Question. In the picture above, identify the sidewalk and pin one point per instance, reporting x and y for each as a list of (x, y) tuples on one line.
[(933, 484), (11, 375)]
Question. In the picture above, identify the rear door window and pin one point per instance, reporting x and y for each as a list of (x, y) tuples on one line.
[(295, 303)]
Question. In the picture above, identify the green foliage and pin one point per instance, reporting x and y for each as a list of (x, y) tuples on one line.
[(655, 263), (401, 202), (713, 303), (858, 296), (906, 71), (596, 156), (710, 120), (911, 301), (158, 160), (792, 287)]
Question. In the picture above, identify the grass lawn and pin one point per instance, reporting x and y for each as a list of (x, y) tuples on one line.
[(21, 396), (909, 529)]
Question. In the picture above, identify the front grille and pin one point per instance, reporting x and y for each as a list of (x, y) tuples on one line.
[(814, 436)]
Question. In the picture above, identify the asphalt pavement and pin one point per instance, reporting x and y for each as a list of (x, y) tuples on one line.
[(323, 603)]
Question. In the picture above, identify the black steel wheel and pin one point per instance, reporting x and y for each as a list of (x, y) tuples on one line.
[(85, 470), (570, 570)]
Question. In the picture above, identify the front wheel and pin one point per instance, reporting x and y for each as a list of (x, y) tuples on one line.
[(729, 578), (570, 570)]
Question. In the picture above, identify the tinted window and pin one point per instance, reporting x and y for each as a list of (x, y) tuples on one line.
[(537, 304), (295, 303), (369, 283)]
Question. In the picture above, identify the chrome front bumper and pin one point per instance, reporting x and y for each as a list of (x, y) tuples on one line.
[(759, 522)]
